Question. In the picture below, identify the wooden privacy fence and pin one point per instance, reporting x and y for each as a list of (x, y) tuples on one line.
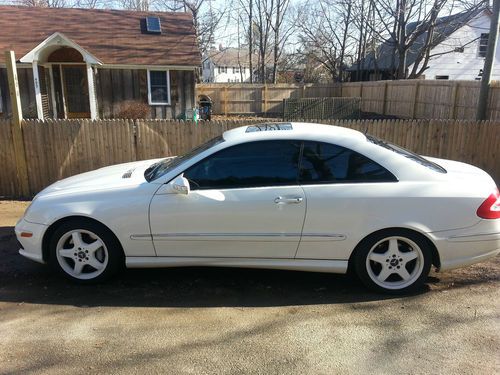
[(414, 99), (424, 99), (58, 149), (260, 99)]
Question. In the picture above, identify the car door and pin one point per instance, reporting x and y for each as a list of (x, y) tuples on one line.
[(346, 193), (245, 201)]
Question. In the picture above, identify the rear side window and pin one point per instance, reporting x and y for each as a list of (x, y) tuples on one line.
[(329, 163), (254, 164)]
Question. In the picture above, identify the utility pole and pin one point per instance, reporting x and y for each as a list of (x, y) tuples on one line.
[(488, 63)]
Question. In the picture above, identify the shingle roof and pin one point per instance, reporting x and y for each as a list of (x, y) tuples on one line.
[(113, 36), (445, 26)]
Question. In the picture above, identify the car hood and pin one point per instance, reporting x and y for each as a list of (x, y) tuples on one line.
[(111, 177)]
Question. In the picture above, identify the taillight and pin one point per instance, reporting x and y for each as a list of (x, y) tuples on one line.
[(490, 209)]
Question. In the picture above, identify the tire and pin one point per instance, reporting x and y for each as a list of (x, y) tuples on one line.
[(85, 251), (393, 261)]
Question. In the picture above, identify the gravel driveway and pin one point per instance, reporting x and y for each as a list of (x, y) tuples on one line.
[(227, 321)]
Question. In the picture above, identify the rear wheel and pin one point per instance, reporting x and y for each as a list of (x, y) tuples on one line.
[(394, 262), (85, 251)]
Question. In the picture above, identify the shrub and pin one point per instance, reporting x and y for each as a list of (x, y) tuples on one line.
[(133, 109)]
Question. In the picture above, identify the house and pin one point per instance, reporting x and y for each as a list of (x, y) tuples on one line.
[(461, 42), (89, 63), (227, 65)]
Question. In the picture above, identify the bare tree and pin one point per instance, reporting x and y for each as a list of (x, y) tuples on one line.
[(263, 27), (281, 31), (325, 34), (44, 3), (206, 17), (245, 19), (139, 5), (92, 4)]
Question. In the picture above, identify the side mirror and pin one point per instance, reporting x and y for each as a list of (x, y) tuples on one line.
[(180, 185)]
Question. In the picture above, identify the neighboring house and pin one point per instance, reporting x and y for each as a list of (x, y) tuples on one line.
[(89, 63), (227, 65), (459, 52)]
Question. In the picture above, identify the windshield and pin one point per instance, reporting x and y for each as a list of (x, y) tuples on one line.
[(406, 153), (164, 166)]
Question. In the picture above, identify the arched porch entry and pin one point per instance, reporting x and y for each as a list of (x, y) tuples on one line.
[(63, 76), (70, 83)]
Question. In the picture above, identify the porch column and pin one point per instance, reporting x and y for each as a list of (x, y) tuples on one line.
[(38, 94), (92, 96)]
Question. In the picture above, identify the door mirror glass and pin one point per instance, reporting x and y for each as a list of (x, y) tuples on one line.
[(180, 185)]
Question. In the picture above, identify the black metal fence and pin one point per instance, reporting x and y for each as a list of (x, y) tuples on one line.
[(321, 108)]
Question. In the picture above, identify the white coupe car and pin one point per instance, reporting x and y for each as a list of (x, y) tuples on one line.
[(292, 196)]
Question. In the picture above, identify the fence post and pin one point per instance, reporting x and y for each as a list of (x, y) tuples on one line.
[(384, 103), (264, 94), (414, 104), (225, 100), (16, 124), (453, 101)]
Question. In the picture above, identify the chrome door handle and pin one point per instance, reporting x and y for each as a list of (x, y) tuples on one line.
[(284, 200)]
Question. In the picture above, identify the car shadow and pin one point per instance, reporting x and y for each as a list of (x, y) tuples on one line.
[(23, 281)]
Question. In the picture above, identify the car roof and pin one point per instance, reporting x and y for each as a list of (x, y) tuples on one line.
[(290, 130)]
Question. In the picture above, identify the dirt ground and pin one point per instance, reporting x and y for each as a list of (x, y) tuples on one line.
[(227, 321)]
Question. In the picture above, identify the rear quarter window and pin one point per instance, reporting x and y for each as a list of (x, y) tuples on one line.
[(328, 163)]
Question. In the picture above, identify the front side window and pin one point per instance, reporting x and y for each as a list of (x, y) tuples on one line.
[(253, 164), (164, 166), (328, 163), (158, 87)]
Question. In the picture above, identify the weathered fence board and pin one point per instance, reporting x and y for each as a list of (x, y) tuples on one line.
[(58, 149), (8, 173)]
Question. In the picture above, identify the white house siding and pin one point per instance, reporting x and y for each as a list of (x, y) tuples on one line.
[(463, 65), (211, 73)]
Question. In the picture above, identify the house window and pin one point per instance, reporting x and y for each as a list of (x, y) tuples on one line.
[(158, 87), (442, 77), (222, 69), (243, 70), (236, 69), (483, 44)]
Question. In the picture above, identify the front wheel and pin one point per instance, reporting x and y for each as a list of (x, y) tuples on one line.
[(394, 262), (85, 251)]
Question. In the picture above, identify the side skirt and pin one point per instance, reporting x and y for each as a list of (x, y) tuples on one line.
[(309, 265)]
